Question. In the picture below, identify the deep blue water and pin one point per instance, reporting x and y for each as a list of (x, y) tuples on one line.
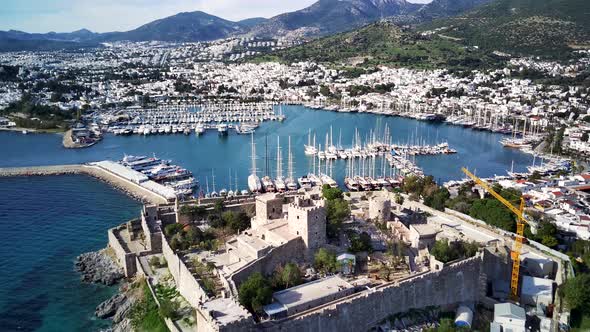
[(45, 222)]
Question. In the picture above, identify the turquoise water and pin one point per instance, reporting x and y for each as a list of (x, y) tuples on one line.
[(45, 222)]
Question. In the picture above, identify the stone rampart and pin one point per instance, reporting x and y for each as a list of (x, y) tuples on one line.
[(125, 258), (454, 284), (292, 251), (186, 283)]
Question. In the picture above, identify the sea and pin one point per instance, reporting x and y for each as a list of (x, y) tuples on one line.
[(45, 222)]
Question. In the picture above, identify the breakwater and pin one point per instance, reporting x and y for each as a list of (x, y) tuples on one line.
[(128, 187)]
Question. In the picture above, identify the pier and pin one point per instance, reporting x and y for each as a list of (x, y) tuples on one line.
[(130, 188)]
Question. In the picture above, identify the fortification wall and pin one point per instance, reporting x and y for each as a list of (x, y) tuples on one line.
[(456, 283), (292, 251), (125, 258), (186, 283)]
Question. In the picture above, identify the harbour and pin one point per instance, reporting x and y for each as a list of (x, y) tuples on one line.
[(207, 155)]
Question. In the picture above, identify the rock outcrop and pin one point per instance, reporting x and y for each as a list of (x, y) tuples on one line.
[(98, 267)]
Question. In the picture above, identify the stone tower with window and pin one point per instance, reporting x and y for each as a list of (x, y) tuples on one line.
[(307, 218)]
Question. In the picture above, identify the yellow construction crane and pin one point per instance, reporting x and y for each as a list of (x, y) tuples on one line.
[(520, 222)]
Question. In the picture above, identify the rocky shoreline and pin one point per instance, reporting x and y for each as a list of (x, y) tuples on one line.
[(117, 309), (98, 267)]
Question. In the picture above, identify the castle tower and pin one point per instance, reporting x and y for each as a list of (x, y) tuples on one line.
[(307, 218), (380, 208), (269, 207)]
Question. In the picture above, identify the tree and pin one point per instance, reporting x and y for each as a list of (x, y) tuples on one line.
[(576, 292), (446, 251), (337, 210), (239, 221), (330, 193), (194, 212), (437, 199), (172, 229), (325, 261), (290, 275), (360, 242), (443, 252), (255, 292)]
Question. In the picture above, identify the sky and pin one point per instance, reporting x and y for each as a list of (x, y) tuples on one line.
[(123, 15)]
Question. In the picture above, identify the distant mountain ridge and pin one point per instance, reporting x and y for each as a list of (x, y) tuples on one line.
[(324, 17)]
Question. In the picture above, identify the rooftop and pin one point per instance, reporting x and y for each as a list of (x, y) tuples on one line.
[(509, 310), (225, 310), (311, 291)]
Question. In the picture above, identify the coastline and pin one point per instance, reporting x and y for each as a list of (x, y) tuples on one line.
[(129, 188)]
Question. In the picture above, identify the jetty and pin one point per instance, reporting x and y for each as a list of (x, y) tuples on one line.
[(133, 189)]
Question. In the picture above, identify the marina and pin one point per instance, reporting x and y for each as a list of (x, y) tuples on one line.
[(189, 119), (207, 154)]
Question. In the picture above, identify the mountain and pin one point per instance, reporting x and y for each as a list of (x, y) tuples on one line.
[(330, 16), (252, 22), (384, 43), (446, 8), (538, 27), (182, 27)]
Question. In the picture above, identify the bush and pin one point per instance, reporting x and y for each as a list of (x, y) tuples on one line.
[(445, 252), (144, 314), (168, 309)]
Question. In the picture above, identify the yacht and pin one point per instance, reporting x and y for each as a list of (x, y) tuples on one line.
[(222, 129), (304, 182), (200, 129)]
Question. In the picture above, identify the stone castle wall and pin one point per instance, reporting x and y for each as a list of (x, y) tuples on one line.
[(186, 283), (125, 258), (456, 283), (292, 251)]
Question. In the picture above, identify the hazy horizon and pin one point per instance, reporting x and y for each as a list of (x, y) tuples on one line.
[(41, 16)]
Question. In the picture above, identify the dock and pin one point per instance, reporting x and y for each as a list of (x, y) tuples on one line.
[(129, 187)]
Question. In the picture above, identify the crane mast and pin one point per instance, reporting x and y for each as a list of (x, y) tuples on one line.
[(520, 222)]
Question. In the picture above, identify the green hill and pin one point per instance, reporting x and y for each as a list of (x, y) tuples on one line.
[(384, 43), (539, 27)]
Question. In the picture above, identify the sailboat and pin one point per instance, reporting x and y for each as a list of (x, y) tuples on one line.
[(254, 184), (290, 181), (279, 180), (267, 183), (310, 149)]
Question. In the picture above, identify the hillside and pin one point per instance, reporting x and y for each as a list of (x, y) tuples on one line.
[(330, 16), (540, 27), (193, 26), (384, 43)]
